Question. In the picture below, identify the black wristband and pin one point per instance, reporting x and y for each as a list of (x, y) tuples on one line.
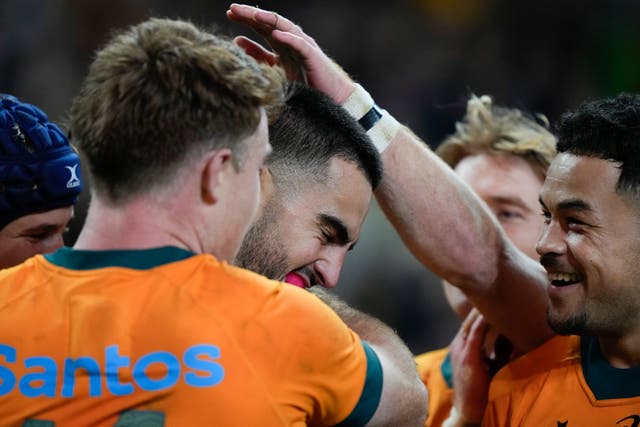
[(371, 118)]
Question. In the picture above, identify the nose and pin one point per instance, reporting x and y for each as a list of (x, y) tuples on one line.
[(552, 239), (328, 268)]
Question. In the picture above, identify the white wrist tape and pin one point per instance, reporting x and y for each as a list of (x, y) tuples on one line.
[(379, 124), (383, 132), (358, 103)]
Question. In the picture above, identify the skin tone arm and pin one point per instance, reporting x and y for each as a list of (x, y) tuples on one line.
[(403, 394), (445, 225)]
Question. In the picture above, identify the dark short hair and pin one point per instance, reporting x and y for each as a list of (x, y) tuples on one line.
[(608, 129), (162, 92), (311, 130)]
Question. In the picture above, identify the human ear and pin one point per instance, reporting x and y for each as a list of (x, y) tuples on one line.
[(215, 167), (266, 183)]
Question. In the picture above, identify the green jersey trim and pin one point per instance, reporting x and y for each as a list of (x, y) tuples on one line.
[(605, 381), (138, 259), (370, 397)]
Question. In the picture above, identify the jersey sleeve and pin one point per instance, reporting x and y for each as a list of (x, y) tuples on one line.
[(371, 392), (323, 367), (434, 368)]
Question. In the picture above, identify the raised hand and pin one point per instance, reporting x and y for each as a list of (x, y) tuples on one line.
[(470, 374), (293, 49)]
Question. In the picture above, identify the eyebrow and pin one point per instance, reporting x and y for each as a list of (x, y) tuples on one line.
[(570, 205), (510, 201), (341, 236), (48, 227), (42, 229)]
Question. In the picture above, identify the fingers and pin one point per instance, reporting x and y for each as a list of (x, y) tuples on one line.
[(472, 332), (286, 38), (296, 44), (264, 29), (477, 331), (468, 322), (257, 51), (299, 55), (265, 21)]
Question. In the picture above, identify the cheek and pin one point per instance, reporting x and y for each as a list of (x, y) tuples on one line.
[(19, 250), (301, 251), (525, 236)]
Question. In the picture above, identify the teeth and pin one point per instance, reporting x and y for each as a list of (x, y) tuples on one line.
[(565, 277)]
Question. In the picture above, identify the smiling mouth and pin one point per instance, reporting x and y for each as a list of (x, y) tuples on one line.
[(564, 279)]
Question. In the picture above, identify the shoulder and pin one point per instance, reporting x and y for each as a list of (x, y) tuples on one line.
[(430, 363), (20, 279), (536, 366), (296, 313), (431, 359)]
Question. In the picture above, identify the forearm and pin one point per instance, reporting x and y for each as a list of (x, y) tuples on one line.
[(439, 218), (370, 330), (452, 232), (404, 397)]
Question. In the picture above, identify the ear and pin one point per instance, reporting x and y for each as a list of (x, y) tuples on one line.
[(217, 164), (266, 184)]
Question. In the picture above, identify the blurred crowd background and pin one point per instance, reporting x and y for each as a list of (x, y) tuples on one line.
[(420, 59)]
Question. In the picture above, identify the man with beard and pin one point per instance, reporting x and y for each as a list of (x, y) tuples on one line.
[(589, 248), (143, 321), (316, 191), (590, 375), (503, 155)]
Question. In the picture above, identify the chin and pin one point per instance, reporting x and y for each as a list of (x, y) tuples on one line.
[(573, 324)]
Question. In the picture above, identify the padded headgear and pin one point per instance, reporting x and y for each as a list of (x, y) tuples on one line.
[(39, 170)]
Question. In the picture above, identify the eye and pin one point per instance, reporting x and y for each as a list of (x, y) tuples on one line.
[(509, 214), (39, 237), (574, 224), (547, 217), (326, 237)]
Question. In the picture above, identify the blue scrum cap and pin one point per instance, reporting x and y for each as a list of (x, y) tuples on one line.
[(39, 171)]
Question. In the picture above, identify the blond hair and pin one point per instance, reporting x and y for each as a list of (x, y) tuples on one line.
[(495, 129)]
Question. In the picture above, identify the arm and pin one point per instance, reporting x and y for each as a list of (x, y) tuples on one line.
[(451, 231), (439, 218), (404, 397)]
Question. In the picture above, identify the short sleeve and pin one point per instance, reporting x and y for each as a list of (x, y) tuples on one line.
[(370, 397), (319, 370)]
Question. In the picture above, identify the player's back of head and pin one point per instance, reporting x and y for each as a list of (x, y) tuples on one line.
[(163, 92)]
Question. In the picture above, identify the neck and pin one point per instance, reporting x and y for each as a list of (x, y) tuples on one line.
[(140, 224), (622, 352)]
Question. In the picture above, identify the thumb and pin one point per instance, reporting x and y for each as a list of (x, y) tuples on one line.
[(256, 50)]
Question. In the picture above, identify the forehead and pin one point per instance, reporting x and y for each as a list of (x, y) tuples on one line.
[(499, 173), (590, 179)]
